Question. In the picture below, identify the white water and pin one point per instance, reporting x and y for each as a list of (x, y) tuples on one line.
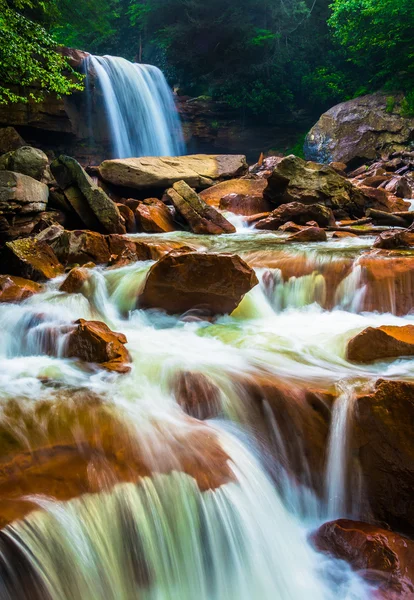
[(140, 109)]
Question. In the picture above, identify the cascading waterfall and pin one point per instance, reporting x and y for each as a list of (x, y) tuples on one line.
[(139, 105)]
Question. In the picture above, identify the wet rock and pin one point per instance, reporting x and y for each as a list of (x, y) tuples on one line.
[(200, 217), (291, 227), (298, 213), (197, 395), (75, 57), (295, 180), (198, 171), (10, 140), (343, 234), (31, 259), (376, 343), (20, 194), (80, 247), (153, 216), (26, 160), (384, 444), (129, 218), (241, 204), (361, 128), (384, 558), (180, 282), (88, 200), (75, 280), (15, 289), (339, 167), (308, 234), (241, 187), (94, 342), (389, 240), (382, 200)]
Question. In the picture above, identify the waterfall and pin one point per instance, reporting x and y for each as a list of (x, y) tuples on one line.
[(141, 115)]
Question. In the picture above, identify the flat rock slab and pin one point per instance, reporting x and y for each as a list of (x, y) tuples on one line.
[(21, 194), (243, 187), (198, 170)]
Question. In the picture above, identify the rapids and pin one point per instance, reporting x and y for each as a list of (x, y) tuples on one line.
[(187, 527)]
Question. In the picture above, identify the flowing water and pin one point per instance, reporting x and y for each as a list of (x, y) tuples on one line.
[(119, 494), (140, 112)]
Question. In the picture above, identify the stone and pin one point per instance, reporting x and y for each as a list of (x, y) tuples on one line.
[(383, 442), (359, 129), (80, 247), (290, 227), (241, 187), (26, 160), (200, 217), (83, 192), (129, 218), (75, 57), (378, 343), (384, 558), (153, 216), (298, 213), (75, 280), (94, 342), (198, 171), (241, 204), (180, 282), (10, 140), (343, 234), (378, 198), (389, 240), (308, 234), (16, 289), (340, 167), (197, 395), (31, 259), (21, 194)]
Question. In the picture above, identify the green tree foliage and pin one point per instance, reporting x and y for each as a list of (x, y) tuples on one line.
[(30, 67)]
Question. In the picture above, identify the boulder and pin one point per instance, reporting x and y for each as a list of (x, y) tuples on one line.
[(31, 259), (153, 216), (88, 200), (199, 170), (241, 187), (180, 282), (75, 280), (80, 247), (129, 218), (244, 204), (383, 557), (15, 289), (362, 128), (200, 217), (308, 234), (298, 213), (10, 140), (21, 194), (197, 395), (389, 240), (295, 180), (94, 342), (26, 160), (377, 343), (383, 442)]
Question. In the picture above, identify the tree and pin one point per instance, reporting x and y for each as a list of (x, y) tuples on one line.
[(30, 67)]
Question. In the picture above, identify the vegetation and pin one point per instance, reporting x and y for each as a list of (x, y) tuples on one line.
[(261, 56)]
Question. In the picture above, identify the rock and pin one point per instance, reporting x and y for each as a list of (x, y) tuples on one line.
[(389, 240), (378, 198), (298, 213), (290, 227), (384, 558), (308, 234), (403, 187), (80, 247), (198, 171), (295, 180), (94, 342), (26, 160), (75, 57), (31, 259), (75, 280), (377, 343), (10, 140), (180, 282), (343, 234), (153, 216), (129, 218), (21, 194), (362, 128), (197, 395), (240, 204), (201, 217), (15, 289), (88, 200), (339, 167), (384, 444), (241, 187)]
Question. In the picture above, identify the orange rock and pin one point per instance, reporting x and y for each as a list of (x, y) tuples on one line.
[(241, 187), (389, 240), (180, 282), (82, 246), (31, 259), (15, 289), (241, 204), (129, 217), (308, 234), (376, 343), (153, 216), (197, 395), (75, 280), (343, 234)]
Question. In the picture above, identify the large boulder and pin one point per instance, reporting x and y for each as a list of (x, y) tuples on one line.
[(180, 282), (199, 170), (21, 194), (81, 247), (362, 128), (308, 234), (201, 217), (88, 200), (16, 289), (295, 180), (26, 160), (299, 213), (153, 216), (242, 187), (384, 444), (31, 259), (378, 343), (383, 557)]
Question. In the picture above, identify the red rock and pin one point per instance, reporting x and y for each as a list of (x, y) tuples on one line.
[(376, 343), (75, 280), (184, 281), (298, 213), (31, 259), (241, 204), (129, 218), (15, 289), (82, 246), (385, 558), (308, 234), (389, 240), (291, 227), (382, 200), (153, 216), (343, 234), (197, 395)]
